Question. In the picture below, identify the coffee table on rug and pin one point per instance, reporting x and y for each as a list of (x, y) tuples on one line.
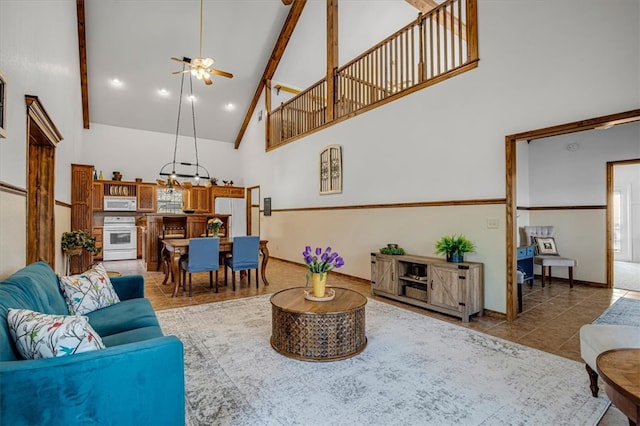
[(318, 331), (620, 370)]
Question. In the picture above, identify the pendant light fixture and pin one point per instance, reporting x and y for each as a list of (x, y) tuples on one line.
[(183, 169)]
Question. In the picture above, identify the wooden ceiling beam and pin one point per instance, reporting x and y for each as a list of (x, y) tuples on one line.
[(426, 6), (82, 47), (278, 50)]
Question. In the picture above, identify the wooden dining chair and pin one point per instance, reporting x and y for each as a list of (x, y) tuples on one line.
[(203, 256), (244, 257), (172, 227)]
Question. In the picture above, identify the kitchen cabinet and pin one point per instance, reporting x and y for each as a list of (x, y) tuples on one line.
[(97, 234), (82, 207), (97, 195), (455, 289), (146, 197), (225, 192), (197, 198)]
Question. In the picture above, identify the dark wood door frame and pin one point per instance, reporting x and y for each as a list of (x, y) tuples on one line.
[(250, 204), (42, 139), (511, 199)]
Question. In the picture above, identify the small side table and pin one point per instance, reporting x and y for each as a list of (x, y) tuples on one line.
[(318, 331), (620, 371)]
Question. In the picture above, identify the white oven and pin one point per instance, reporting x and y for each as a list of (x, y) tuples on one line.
[(119, 238)]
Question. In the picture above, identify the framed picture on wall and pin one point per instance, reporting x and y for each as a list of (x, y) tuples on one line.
[(3, 105), (331, 170)]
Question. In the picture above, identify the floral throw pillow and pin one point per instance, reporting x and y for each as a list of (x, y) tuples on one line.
[(89, 291), (40, 335)]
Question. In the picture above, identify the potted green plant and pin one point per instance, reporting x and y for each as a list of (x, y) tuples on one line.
[(454, 247), (74, 241)]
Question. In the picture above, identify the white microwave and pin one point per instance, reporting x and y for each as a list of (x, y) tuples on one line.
[(120, 204)]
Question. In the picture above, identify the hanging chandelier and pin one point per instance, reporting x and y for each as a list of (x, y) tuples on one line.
[(184, 169)]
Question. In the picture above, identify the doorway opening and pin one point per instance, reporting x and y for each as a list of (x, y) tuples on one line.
[(623, 179), (253, 210), (511, 193)]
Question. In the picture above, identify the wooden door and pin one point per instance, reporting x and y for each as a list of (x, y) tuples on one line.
[(42, 139), (445, 287)]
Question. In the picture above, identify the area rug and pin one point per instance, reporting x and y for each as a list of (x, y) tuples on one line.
[(624, 311), (416, 370)]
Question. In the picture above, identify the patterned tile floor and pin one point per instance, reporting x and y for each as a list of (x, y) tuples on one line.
[(550, 321)]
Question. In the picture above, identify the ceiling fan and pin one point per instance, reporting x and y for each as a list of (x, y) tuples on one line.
[(199, 67)]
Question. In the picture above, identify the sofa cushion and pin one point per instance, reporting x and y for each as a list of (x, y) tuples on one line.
[(34, 287), (39, 335), (88, 291), (123, 316), (131, 336)]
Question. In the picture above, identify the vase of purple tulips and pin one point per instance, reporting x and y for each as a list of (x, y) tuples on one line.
[(320, 262)]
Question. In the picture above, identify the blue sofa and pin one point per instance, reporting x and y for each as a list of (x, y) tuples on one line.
[(137, 380)]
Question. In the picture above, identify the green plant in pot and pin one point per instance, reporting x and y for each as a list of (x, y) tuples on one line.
[(73, 241), (454, 247)]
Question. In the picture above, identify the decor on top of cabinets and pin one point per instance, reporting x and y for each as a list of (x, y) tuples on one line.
[(331, 170), (454, 247)]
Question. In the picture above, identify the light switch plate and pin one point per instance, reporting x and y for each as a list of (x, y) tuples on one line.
[(492, 223)]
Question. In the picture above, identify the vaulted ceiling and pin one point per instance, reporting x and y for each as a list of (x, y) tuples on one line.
[(132, 41)]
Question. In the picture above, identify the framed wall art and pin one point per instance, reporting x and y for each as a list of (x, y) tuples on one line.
[(331, 170)]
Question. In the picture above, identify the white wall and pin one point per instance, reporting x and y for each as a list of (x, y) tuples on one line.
[(39, 57), (541, 64), (572, 169), (141, 154)]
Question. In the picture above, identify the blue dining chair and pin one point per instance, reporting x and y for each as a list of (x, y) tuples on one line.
[(204, 254), (244, 256)]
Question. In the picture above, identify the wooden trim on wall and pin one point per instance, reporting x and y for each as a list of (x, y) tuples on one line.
[(593, 207), (12, 189), (62, 204), (477, 202)]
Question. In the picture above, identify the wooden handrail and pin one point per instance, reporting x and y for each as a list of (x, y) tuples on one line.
[(436, 45)]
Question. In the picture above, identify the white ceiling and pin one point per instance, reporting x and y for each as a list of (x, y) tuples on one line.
[(133, 41)]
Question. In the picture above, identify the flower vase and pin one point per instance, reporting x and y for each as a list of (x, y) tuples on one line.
[(214, 231), (319, 282)]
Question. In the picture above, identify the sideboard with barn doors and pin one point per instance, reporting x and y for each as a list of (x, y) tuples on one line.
[(455, 289)]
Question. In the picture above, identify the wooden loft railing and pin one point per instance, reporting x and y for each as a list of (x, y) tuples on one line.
[(436, 46)]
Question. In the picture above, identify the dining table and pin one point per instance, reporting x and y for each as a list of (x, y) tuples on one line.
[(175, 248)]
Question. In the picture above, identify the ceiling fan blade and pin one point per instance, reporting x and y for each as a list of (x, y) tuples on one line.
[(207, 80), (220, 73), (181, 72), (184, 60)]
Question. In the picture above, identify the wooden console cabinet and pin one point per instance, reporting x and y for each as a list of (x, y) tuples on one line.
[(455, 289)]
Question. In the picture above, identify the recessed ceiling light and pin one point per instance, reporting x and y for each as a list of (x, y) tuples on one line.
[(116, 82), (192, 98), (163, 92), (229, 106)]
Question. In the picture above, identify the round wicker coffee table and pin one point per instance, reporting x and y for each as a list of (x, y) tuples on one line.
[(318, 331)]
